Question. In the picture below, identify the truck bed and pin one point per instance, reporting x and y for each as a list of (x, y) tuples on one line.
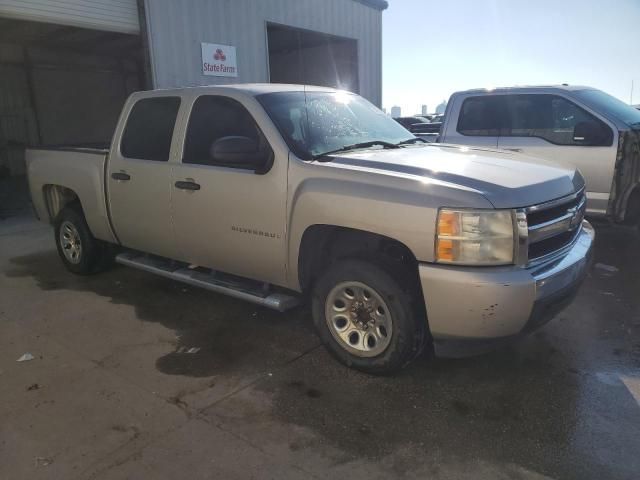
[(61, 171)]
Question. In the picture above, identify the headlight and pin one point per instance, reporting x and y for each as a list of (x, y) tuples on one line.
[(474, 237)]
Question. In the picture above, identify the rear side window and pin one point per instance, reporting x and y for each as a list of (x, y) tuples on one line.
[(482, 116), (554, 119), (149, 129)]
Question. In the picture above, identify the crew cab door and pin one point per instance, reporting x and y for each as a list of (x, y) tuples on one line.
[(139, 176), (230, 216), (474, 120), (555, 128)]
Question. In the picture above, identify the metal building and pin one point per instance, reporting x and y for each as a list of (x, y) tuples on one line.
[(66, 66), (335, 42)]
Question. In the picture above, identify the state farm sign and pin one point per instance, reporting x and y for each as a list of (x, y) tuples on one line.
[(219, 60)]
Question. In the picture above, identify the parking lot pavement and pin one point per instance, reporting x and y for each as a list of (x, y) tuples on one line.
[(135, 376)]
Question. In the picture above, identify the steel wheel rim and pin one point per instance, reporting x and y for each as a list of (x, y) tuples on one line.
[(70, 242), (358, 319)]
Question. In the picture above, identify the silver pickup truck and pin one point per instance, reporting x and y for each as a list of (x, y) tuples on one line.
[(578, 127), (274, 193)]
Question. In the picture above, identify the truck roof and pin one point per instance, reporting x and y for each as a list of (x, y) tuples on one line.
[(250, 88), (519, 88)]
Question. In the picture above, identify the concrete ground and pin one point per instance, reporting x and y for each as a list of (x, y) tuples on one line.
[(14, 196), (113, 391)]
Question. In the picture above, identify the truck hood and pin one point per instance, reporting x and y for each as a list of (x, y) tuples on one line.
[(507, 180)]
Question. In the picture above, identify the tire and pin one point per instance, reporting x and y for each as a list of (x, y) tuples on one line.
[(80, 252), (354, 303)]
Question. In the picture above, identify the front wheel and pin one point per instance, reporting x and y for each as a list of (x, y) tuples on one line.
[(366, 318)]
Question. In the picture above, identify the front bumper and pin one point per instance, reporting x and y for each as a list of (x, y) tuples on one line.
[(471, 310)]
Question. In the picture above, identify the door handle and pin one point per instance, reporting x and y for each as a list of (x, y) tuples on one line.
[(187, 186), (121, 176), (514, 149)]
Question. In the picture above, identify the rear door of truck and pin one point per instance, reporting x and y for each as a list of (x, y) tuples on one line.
[(139, 174), (473, 119)]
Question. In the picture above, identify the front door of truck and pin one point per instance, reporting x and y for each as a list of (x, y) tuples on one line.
[(227, 216), (139, 177), (554, 128)]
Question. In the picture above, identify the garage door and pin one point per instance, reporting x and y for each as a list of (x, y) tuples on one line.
[(312, 58), (109, 15)]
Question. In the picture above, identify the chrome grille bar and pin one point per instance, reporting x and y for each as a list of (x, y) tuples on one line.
[(556, 226), (551, 228)]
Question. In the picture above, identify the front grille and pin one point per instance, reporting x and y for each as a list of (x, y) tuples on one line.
[(536, 217), (553, 226)]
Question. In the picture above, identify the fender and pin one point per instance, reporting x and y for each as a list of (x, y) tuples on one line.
[(398, 208)]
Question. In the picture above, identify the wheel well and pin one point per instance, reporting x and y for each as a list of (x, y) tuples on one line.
[(57, 197), (324, 244)]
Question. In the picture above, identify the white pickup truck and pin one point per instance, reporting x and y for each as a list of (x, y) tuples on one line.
[(271, 193), (578, 127)]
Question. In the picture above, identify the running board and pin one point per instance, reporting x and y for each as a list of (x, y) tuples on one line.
[(244, 289)]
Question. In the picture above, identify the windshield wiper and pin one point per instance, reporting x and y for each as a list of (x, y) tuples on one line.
[(356, 146), (412, 140)]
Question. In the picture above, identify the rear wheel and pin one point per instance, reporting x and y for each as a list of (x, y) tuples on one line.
[(365, 317), (80, 252)]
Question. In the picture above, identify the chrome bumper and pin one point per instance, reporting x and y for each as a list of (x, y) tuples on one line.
[(471, 309), (568, 270)]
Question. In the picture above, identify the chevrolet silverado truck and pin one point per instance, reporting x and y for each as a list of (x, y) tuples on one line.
[(276, 193), (578, 127)]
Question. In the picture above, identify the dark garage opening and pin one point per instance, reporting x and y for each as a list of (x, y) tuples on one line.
[(312, 58), (59, 85)]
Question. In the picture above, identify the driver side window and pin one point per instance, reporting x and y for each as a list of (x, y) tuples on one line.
[(213, 118)]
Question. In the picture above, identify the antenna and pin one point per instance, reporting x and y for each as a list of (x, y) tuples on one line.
[(631, 97)]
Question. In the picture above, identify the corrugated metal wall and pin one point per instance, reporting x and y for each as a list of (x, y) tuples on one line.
[(16, 112), (110, 15), (176, 30), (17, 117), (53, 97), (78, 97)]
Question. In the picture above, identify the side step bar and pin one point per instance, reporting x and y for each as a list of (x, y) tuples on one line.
[(244, 289)]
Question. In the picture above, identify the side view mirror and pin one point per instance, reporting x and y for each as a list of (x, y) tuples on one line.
[(589, 133), (240, 152)]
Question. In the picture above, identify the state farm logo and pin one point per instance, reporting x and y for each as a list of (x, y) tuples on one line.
[(218, 60)]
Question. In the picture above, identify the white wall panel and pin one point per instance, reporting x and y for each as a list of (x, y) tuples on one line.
[(109, 15)]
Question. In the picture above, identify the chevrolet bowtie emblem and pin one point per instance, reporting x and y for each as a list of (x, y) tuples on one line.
[(576, 217)]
